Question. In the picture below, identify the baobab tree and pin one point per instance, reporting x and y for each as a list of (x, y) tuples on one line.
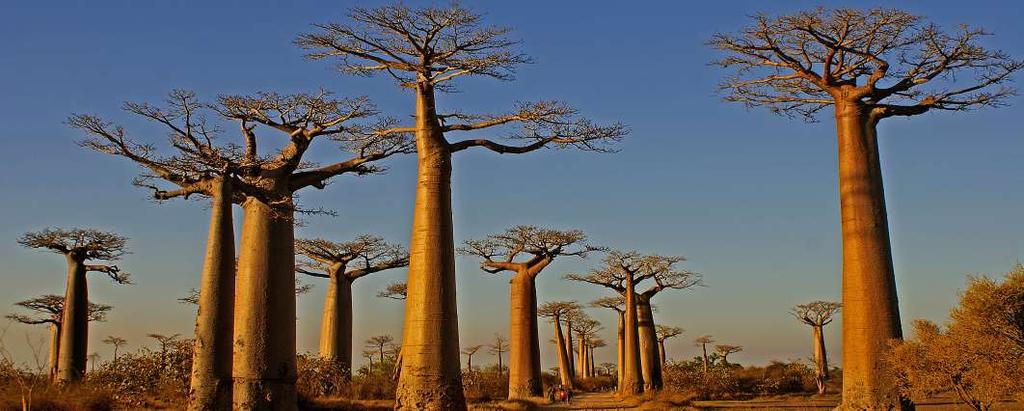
[(343, 263), (426, 50), (78, 246), (525, 251), (703, 342), (665, 332), (585, 328), (117, 342), (592, 344), (555, 311), (470, 352), (623, 272), (51, 310), (616, 303), (724, 350), (263, 357), (868, 65), (164, 341), (498, 347), (818, 314), (379, 343), (394, 291)]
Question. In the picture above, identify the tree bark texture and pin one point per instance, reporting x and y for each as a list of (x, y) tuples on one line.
[(564, 371), (820, 359), (74, 330), (632, 379), (649, 359), (524, 342), (336, 323)]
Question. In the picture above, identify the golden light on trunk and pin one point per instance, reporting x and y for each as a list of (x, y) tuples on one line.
[(818, 314)]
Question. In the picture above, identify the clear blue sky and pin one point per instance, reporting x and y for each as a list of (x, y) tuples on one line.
[(749, 198)]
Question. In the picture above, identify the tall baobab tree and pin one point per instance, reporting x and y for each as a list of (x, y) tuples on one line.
[(818, 314), (623, 272), (470, 352), (342, 264), (592, 344), (555, 311), (703, 342), (525, 251), (426, 50), (868, 65), (585, 327), (498, 347), (616, 303), (78, 246), (51, 308), (665, 332), (725, 350), (117, 342), (263, 319)]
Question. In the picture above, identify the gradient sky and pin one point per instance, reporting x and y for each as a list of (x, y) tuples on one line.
[(749, 198)]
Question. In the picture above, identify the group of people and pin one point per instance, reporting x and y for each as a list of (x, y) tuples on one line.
[(559, 393)]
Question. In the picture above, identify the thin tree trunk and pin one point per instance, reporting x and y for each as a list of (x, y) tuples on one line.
[(704, 348), (871, 310), (661, 353), (564, 371), (524, 342), (54, 349), (264, 358), (570, 350), (621, 346), (430, 376), (632, 379), (581, 360), (74, 331), (210, 388), (593, 368), (336, 324), (649, 359), (820, 359)]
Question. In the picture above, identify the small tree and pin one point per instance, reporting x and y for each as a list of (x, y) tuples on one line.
[(616, 304), (394, 291), (51, 307), (117, 342), (585, 328), (469, 352), (725, 350), (380, 343), (555, 311), (498, 347), (818, 314), (425, 50), (78, 246), (665, 332), (525, 251), (343, 263), (867, 65), (703, 342)]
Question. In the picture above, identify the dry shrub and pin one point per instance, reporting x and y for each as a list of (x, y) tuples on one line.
[(483, 386), (596, 383), (319, 378), (723, 381), (148, 378)]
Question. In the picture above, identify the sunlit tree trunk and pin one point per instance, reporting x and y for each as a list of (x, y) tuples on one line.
[(74, 330), (210, 387), (871, 317), (524, 341), (570, 351), (336, 324), (564, 371), (430, 376), (649, 360), (661, 353), (581, 357), (54, 350), (632, 379), (820, 359), (620, 346), (264, 352)]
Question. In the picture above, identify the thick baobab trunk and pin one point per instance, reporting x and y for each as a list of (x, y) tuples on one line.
[(620, 346), (524, 342), (820, 359), (264, 352), (564, 370), (210, 387), (430, 376), (74, 330), (54, 349), (649, 360), (581, 357), (569, 349), (336, 324), (871, 310), (632, 379)]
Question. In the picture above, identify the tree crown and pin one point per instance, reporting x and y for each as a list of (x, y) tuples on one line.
[(665, 332), (395, 291), (365, 255), (86, 243), (816, 313), (541, 245), (51, 307), (888, 60), (621, 268)]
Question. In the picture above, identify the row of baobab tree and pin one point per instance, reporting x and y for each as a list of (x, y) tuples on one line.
[(867, 65)]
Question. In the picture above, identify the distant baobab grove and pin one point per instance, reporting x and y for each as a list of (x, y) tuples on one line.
[(434, 205)]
